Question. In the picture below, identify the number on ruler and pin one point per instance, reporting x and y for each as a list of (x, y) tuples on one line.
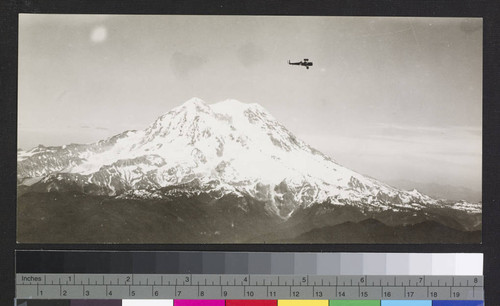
[(363, 293)]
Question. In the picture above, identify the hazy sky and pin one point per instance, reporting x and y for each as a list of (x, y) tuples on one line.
[(393, 98)]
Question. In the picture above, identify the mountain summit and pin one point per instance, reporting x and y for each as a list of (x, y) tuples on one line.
[(226, 148)]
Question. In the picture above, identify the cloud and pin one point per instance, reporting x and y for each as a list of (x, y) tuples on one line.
[(460, 145), (249, 54), (93, 127), (389, 129), (184, 64)]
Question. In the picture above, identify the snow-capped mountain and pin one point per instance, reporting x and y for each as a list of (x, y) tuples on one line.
[(224, 148)]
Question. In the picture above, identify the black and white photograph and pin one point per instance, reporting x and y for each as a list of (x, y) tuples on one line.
[(176, 129)]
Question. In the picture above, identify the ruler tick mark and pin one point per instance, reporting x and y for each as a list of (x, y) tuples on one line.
[(454, 285)]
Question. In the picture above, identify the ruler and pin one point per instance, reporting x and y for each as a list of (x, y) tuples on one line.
[(247, 286)]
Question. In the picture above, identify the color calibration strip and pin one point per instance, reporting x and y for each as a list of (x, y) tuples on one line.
[(249, 263), (136, 302)]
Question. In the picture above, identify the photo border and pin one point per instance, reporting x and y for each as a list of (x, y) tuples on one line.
[(489, 10)]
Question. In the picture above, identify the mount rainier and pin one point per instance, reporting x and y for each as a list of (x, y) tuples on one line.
[(253, 180)]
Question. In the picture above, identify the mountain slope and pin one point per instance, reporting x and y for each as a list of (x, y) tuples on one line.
[(227, 148)]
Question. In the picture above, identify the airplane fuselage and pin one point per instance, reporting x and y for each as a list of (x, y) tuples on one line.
[(306, 63)]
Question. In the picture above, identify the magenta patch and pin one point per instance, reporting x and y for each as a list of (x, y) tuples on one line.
[(199, 302)]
